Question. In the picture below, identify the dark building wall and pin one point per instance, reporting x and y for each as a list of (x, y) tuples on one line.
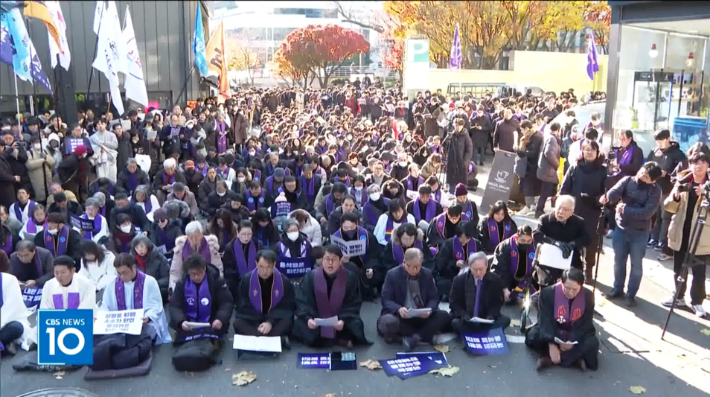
[(163, 32)]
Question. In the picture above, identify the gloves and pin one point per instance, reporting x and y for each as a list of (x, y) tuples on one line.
[(565, 248)]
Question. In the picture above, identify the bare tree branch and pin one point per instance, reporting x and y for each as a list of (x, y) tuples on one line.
[(349, 18)]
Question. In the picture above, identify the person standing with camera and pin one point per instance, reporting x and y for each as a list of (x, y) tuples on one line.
[(668, 155), (637, 198), (683, 203)]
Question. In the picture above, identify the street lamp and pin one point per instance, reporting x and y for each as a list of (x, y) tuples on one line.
[(653, 52), (690, 62)]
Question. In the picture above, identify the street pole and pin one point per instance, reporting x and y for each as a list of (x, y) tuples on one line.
[(17, 103)]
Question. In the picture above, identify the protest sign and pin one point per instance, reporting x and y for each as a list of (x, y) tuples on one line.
[(407, 366), (313, 360), (119, 322), (500, 181), (280, 208), (351, 248), (32, 296), (295, 267), (342, 361), (486, 343), (81, 223), (144, 162), (412, 194)]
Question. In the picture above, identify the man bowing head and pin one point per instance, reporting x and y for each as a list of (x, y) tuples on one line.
[(329, 292)]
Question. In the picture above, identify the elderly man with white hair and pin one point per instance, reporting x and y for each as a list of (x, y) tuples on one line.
[(375, 206), (563, 229), (165, 178), (194, 242)]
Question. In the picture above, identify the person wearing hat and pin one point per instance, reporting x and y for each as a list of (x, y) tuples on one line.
[(275, 182), (73, 173), (164, 231)]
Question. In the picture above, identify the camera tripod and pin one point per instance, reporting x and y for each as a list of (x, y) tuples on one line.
[(690, 259), (600, 244)]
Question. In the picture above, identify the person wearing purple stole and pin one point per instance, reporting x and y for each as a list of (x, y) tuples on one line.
[(329, 291), (390, 220), (443, 227), (496, 226), (407, 287), (165, 178), (8, 240), (365, 265), (565, 314), (375, 206), (22, 209), (68, 290), (34, 224), (423, 208), (331, 202), (257, 198), (477, 293), (200, 296), (59, 239), (99, 224), (629, 157), (310, 186), (131, 177), (404, 237), (469, 207), (222, 134), (224, 171), (412, 182), (32, 265), (239, 257), (266, 302), (513, 261), (453, 255), (194, 242), (275, 182)]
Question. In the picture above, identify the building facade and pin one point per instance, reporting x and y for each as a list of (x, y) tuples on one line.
[(163, 32), (658, 66)]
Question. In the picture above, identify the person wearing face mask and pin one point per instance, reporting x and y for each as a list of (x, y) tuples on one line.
[(513, 262), (163, 233), (504, 132), (399, 170), (121, 235), (374, 207), (293, 245), (362, 265), (39, 166), (240, 255), (219, 197), (152, 262), (265, 230), (358, 191), (443, 227), (59, 239), (97, 265), (452, 256)]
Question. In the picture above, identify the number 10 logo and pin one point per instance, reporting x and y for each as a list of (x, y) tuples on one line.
[(65, 337)]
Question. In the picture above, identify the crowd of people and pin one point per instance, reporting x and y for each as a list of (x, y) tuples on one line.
[(277, 208)]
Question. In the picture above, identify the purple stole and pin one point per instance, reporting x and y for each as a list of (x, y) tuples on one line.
[(459, 253), (627, 156), (321, 172), (363, 196), (346, 182), (468, 210), (89, 234), (428, 215), (30, 210), (437, 196), (493, 231), (441, 223), (410, 184), (563, 308), (277, 291), (244, 265), (195, 298), (58, 247), (132, 182), (224, 174), (203, 170), (329, 305), (370, 215), (329, 204), (398, 251), (73, 299), (147, 203), (515, 260), (321, 149), (204, 250), (221, 128), (309, 187), (251, 204), (282, 250), (102, 211), (257, 175), (270, 186), (120, 291), (389, 227), (8, 245), (168, 179), (32, 226)]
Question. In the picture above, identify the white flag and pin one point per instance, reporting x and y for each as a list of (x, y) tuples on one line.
[(98, 12), (111, 52), (134, 82), (55, 11)]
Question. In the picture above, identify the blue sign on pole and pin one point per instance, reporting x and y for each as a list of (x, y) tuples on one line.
[(295, 267), (65, 337), (486, 343)]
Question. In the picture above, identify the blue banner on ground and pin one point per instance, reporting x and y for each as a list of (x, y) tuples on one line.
[(295, 267), (313, 360), (486, 343), (281, 208), (32, 296), (407, 366)]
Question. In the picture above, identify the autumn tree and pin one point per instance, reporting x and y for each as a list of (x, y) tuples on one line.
[(558, 25), (598, 18), (241, 57), (319, 51)]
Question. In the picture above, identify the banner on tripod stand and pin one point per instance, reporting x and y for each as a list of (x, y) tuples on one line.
[(500, 180)]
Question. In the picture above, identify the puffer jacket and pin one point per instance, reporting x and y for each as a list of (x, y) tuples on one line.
[(549, 160), (668, 159), (642, 201)]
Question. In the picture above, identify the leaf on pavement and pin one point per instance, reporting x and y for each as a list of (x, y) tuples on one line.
[(637, 389), (515, 323), (705, 332), (372, 365), (243, 378), (330, 395), (447, 371), (441, 348), (58, 373)]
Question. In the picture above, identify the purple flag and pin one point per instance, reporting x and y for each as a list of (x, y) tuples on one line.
[(592, 65), (455, 58)]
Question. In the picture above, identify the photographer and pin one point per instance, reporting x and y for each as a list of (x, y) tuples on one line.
[(637, 198), (15, 147), (683, 203), (668, 155)]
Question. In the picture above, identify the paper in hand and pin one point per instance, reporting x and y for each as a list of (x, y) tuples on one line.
[(551, 256), (192, 325), (327, 322), (480, 320), (561, 342), (418, 312)]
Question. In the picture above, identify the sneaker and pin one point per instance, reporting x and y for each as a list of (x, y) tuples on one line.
[(609, 233), (525, 211), (614, 293), (652, 243), (630, 301), (659, 247), (678, 303), (410, 343), (698, 310), (664, 257)]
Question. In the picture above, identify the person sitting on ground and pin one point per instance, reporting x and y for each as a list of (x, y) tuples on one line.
[(391, 220), (565, 314), (513, 263), (13, 314), (478, 294), (424, 208), (152, 262), (451, 258), (97, 265), (266, 301), (194, 242), (409, 287), (329, 291), (443, 227), (33, 266), (496, 226), (404, 237), (59, 239), (68, 290)]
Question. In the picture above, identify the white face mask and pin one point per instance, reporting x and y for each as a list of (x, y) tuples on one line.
[(52, 231), (221, 194), (293, 236), (37, 146), (241, 179), (358, 188), (375, 196), (125, 228), (252, 153), (402, 163)]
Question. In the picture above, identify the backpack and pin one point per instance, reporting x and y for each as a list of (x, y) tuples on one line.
[(195, 356)]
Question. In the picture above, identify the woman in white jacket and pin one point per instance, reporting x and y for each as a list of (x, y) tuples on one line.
[(309, 226), (97, 265)]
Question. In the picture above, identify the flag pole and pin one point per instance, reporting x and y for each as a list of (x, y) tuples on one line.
[(96, 49), (17, 103)]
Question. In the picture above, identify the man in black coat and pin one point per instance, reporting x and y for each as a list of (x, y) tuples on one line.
[(477, 294), (60, 239), (481, 129), (131, 177), (453, 255), (65, 207), (16, 157), (266, 301), (408, 288), (7, 178), (458, 156), (564, 230), (123, 206)]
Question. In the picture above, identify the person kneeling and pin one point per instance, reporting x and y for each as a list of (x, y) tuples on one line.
[(267, 301), (564, 334), (406, 288), (13, 314), (477, 295), (329, 291), (200, 307)]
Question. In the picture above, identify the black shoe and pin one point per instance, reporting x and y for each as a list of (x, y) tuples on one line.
[(285, 343), (614, 293), (630, 301), (445, 298), (410, 343)]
